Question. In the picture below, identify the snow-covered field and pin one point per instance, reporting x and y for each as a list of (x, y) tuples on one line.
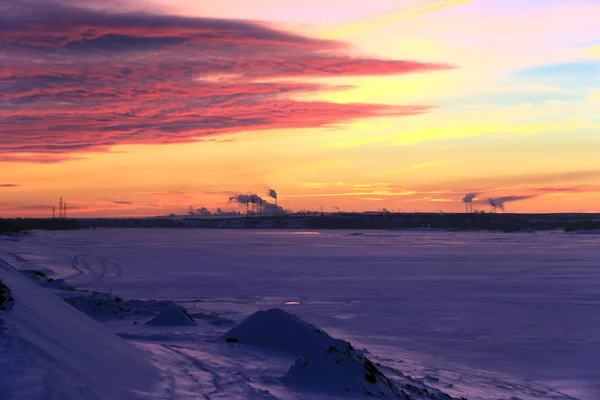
[(480, 315)]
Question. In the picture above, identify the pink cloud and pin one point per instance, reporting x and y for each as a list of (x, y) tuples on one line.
[(77, 80)]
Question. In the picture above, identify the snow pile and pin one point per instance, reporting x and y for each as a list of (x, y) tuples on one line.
[(346, 373), (49, 350), (277, 330), (341, 371), (327, 365), (172, 316)]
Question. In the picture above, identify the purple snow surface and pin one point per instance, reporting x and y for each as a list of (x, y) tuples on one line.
[(522, 305)]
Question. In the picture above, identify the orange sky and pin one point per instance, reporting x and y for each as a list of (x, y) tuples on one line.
[(405, 105)]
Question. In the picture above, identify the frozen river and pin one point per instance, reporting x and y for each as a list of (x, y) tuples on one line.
[(487, 308)]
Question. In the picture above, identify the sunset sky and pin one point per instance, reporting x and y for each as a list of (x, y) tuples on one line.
[(131, 108)]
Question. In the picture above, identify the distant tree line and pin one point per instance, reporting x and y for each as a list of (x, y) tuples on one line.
[(18, 225)]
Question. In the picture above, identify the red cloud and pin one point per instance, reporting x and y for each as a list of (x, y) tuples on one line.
[(76, 80)]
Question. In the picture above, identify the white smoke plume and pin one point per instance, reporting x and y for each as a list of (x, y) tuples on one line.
[(265, 206), (499, 202), (246, 198), (469, 198)]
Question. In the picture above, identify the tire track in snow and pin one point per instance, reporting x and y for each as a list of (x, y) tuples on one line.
[(215, 378), (98, 269), (171, 390), (114, 267), (87, 267), (75, 263), (220, 387), (100, 276)]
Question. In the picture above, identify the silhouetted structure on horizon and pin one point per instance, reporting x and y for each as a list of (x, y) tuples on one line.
[(62, 210)]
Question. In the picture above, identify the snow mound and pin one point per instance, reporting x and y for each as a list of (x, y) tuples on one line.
[(277, 330), (172, 316), (49, 350), (348, 374), (340, 371)]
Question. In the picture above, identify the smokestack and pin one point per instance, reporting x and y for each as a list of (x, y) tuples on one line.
[(259, 204), (468, 200), (273, 194)]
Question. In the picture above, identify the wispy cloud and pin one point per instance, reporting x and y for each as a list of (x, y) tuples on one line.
[(77, 80), (426, 165), (8, 185), (415, 167), (39, 158), (35, 207), (388, 18), (363, 193), (572, 189)]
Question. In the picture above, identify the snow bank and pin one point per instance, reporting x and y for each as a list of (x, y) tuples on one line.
[(104, 306), (99, 307), (277, 330), (172, 316), (42, 278), (49, 350)]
